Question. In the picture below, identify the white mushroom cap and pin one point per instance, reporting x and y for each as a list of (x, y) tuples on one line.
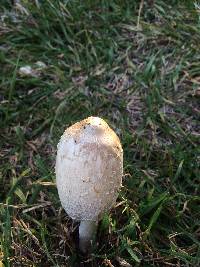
[(89, 168)]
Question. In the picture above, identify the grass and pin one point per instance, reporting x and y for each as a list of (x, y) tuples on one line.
[(137, 65)]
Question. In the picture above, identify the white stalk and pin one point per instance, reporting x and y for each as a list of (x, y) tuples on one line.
[(87, 231)]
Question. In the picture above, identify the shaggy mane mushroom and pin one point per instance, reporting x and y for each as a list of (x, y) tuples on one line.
[(89, 168)]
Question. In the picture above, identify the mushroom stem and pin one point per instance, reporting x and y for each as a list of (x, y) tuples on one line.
[(87, 231)]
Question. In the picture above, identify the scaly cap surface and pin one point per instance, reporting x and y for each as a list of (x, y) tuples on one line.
[(89, 168)]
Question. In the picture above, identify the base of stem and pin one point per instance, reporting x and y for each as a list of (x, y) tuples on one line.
[(87, 231)]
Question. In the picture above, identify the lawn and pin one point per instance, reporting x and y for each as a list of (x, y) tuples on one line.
[(136, 64)]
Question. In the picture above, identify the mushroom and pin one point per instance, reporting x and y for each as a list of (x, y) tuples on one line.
[(89, 168)]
